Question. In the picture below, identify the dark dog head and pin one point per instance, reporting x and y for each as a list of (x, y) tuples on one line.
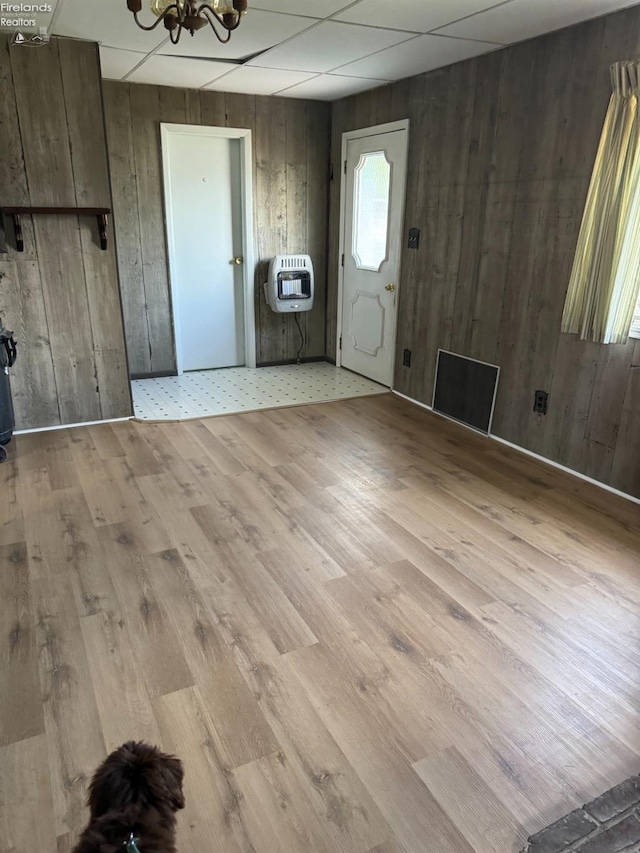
[(139, 775)]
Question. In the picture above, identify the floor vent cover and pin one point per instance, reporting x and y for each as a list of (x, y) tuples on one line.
[(465, 390)]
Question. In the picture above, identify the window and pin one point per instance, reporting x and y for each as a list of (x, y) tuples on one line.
[(634, 332), (603, 287)]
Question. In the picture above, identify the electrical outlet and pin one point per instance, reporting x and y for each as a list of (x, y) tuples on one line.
[(414, 238), (540, 402), (406, 358)]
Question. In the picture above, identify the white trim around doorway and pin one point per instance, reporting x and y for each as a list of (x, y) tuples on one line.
[(361, 133), (246, 166)]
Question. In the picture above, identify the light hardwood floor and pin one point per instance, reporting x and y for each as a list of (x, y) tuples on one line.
[(361, 627)]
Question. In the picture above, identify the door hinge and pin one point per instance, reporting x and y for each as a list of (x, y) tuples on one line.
[(342, 260), (345, 167), (340, 341)]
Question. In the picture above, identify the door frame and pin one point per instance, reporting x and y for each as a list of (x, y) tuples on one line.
[(246, 194), (402, 124)]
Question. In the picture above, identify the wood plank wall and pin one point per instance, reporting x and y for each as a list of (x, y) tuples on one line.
[(60, 296), (501, 151), (291, 156)]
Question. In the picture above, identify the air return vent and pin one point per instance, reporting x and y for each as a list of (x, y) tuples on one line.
[(465, 390)]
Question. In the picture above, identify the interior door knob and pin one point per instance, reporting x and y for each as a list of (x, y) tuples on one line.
[(237, 260), (390, 287)]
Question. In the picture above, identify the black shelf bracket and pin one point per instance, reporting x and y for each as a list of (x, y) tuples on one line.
[(17, 227), (102, 229), (101, 214)]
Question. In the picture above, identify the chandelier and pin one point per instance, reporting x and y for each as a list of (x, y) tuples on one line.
[(178, 15)]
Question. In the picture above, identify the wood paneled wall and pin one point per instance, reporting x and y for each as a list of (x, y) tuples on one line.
[(291, 155), (60, 296), (501, 151)]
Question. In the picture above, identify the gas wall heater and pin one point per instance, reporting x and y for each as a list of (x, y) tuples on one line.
[(290, 286)]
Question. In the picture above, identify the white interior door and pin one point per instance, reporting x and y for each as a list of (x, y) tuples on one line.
[(203, 195), (375, 183)]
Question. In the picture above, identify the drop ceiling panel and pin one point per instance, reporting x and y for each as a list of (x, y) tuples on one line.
[(329, 45), (177, 71), (329, 87), (257, 32), (313, 8), (409, 15), (298, 45), (258, 81), (109, 23), (117, 63), (522, 19), (423, 53)]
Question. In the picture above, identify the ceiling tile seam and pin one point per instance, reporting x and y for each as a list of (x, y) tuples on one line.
[(331, 70), (373, 26), (384, 81), (344, 9), (222, 76), (316, 22), (545, 32), (496, 47), (56, 15), (299, 14), (472, 15), (436, 34), (332, 20), (151, 53), (119, 46), (213, 79), (121, 49), (413, 32), (376, 52), (380, 83), (142, 61), (291, 38), (412, 37), (326, 74), (299, 83), (286, 14), (335, 20), (312, 26), (288, 89), (132, 70)]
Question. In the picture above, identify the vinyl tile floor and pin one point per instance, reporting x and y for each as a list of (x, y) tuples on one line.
[(203, 393)]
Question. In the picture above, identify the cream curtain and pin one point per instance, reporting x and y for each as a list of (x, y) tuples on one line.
[(605, 279)]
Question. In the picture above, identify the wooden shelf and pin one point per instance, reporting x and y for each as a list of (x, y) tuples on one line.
[(100, 213)]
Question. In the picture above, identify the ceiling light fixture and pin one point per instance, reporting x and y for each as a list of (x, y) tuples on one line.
[(192, 15)]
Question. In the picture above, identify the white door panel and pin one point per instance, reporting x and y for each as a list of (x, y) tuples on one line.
[(203, 199), (366, 322), (374, 204)]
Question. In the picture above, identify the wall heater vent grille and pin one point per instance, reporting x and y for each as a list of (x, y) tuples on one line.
[(292, 263)]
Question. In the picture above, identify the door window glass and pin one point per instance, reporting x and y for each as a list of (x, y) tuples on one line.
[(371, 210)]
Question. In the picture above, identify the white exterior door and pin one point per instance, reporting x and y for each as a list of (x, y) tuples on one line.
[(375, 184), (203, 184)]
